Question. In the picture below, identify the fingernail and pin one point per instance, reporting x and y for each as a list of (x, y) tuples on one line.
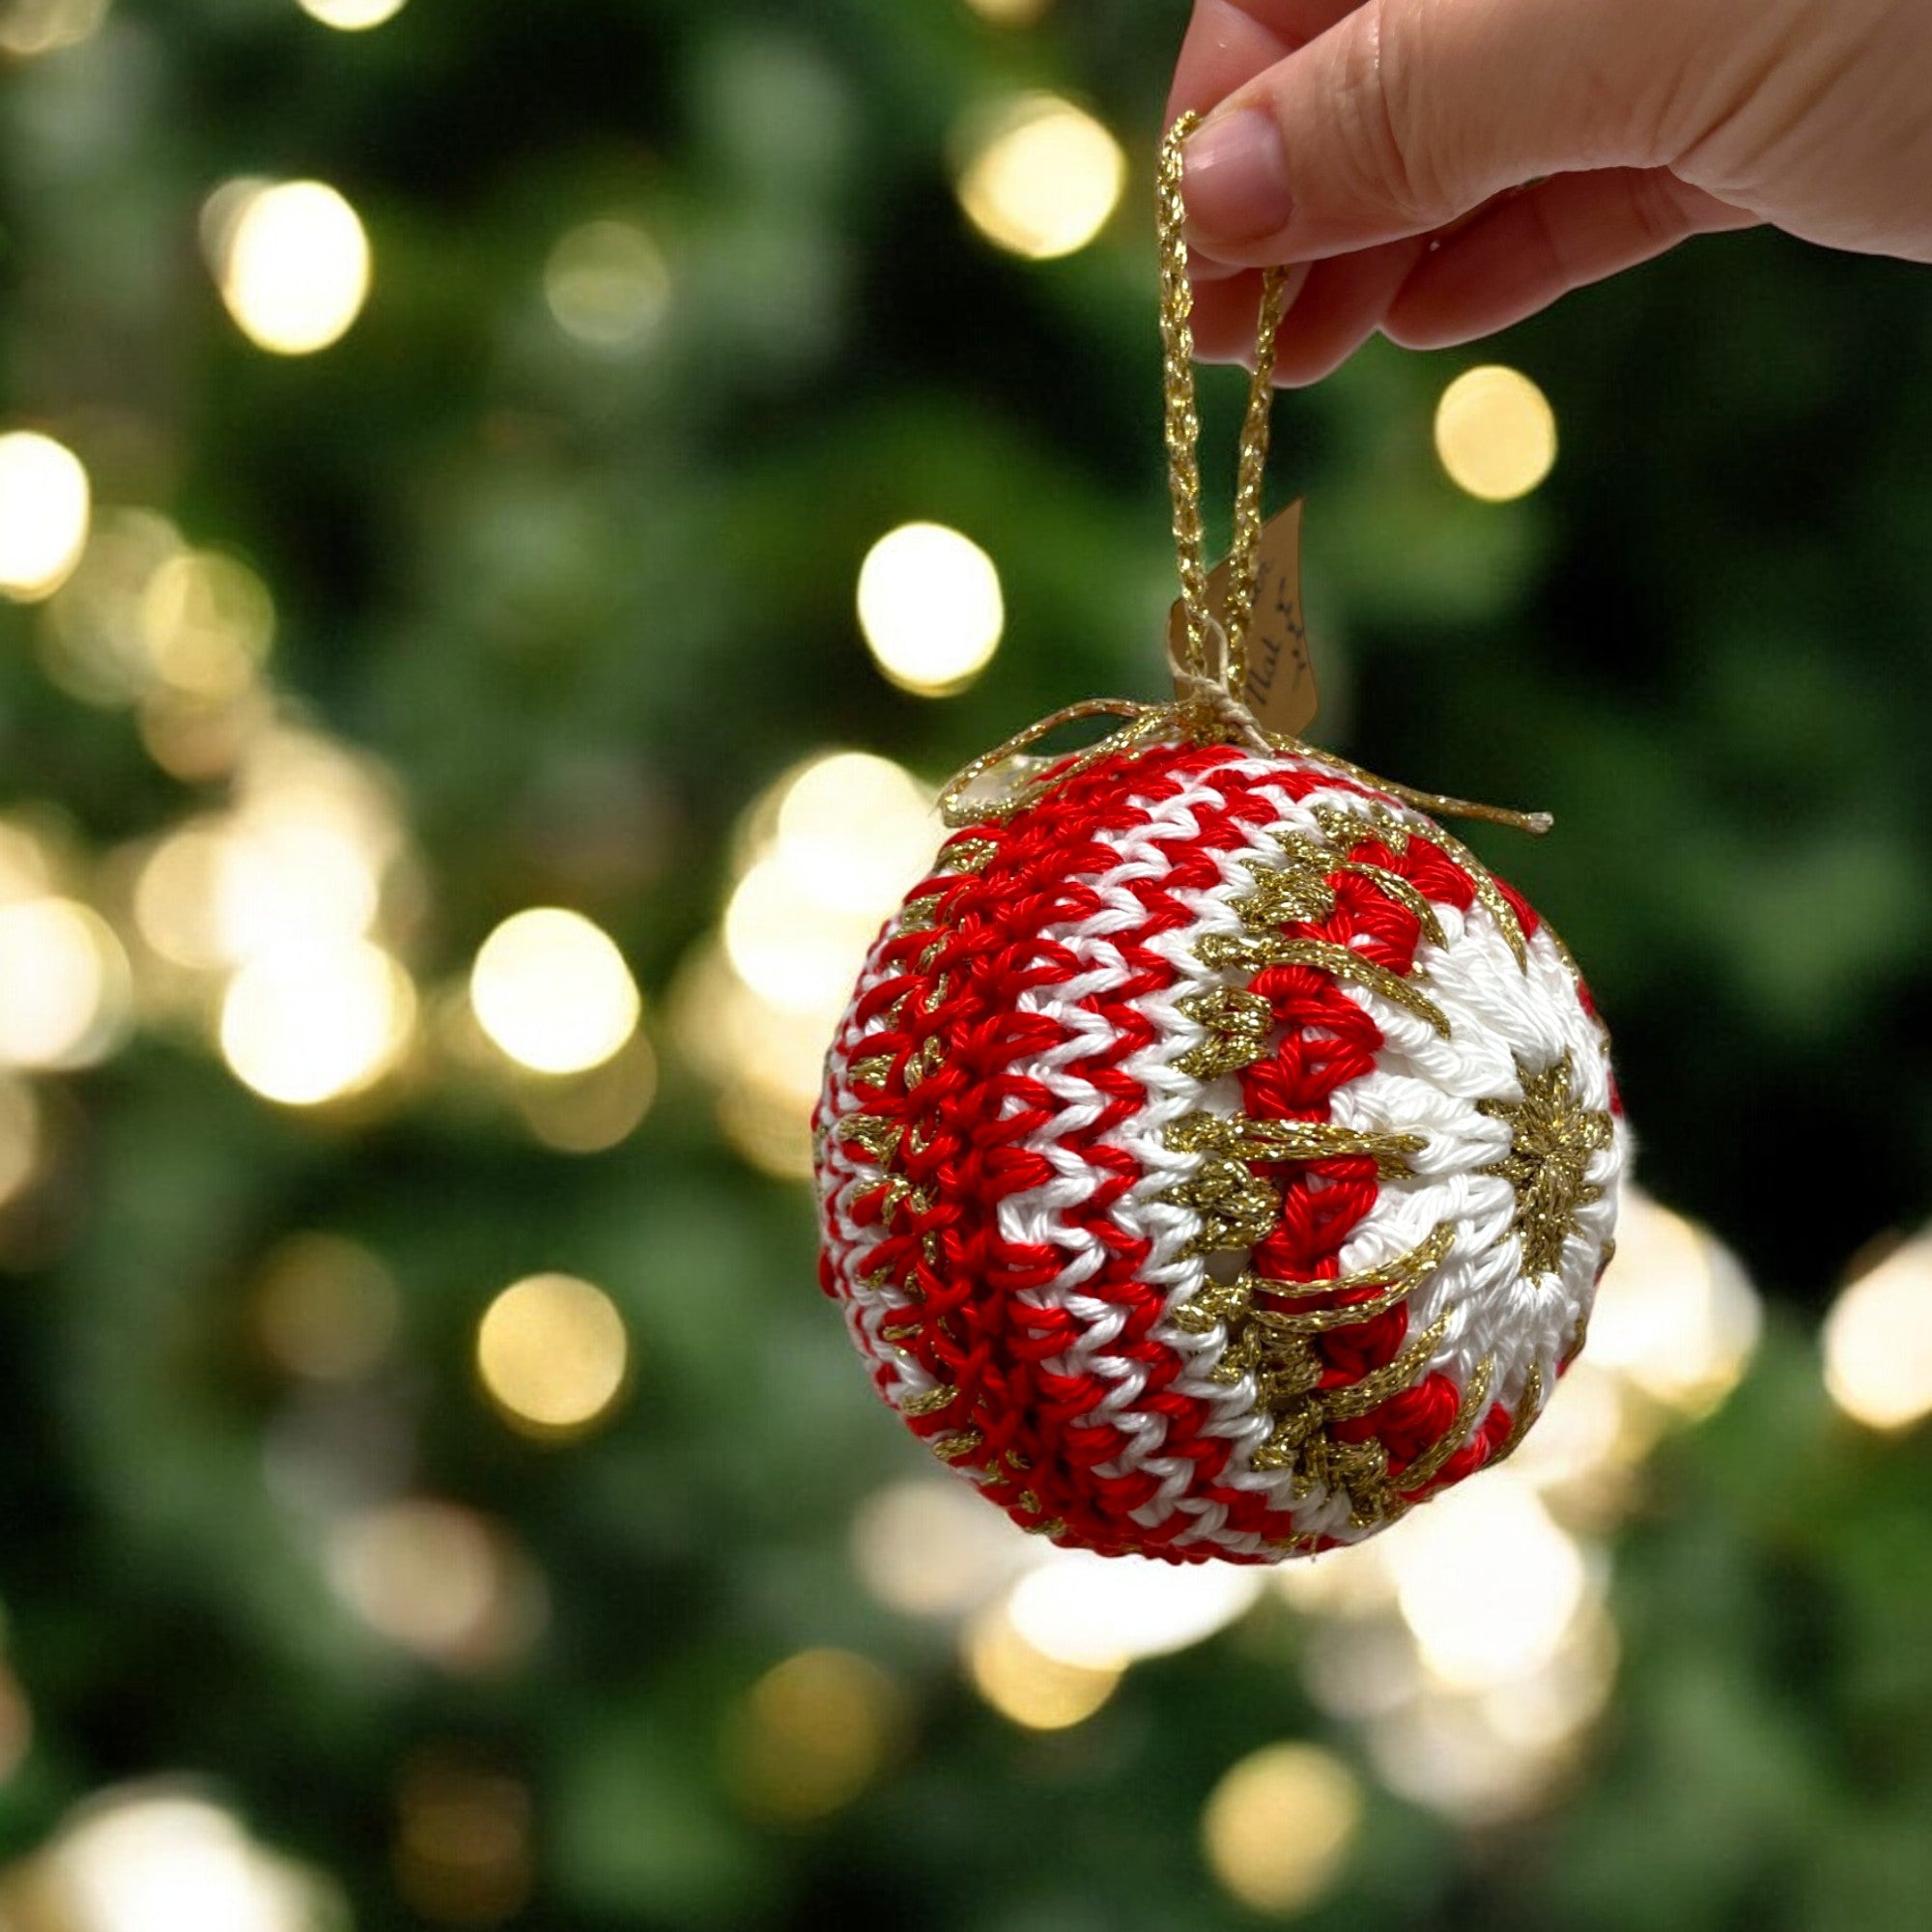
[(1237, 180), (1205, 268)]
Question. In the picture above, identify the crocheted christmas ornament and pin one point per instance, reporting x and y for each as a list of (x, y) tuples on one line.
[(1215, 1159)]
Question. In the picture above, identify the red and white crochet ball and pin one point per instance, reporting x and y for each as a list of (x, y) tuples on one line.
[(1215, 1160)]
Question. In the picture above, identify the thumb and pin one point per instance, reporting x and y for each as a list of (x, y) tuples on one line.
[(1406, 114)]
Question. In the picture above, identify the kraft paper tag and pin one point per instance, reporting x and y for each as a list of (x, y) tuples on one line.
[(1280, 681)]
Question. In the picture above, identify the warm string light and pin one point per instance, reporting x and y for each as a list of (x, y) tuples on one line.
[(823, 856), (65, 987), (144, 618), (553, 1352), (1877, 1340), (930, 607), (1009, 12), (161, 1858), (1106, 1612), (462, 1850), (22, 1139), (45, 504), (1495, 433), (326, 1308), (592, 1112), (438, 1580), (351, 16), (552, 990), (29, 28), (317, 1022), (811, 1734), (1040, 176), (1027, 1684), (292, 262), (1278, 1828), (607, 285)]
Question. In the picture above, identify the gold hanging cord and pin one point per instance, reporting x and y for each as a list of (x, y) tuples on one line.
[(1210, 663)]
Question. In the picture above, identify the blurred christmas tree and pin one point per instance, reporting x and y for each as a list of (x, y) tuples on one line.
[(506, 507)]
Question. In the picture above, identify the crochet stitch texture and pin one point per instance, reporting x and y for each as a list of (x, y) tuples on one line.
[(1215, 1160)]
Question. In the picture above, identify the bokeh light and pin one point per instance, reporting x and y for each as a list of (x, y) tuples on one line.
[(317, 1023), (856, 830), (1106, 1612), (17, 1724), (280, 875), (292, 262), (20, 1138), (607, 284), (1278, 1827), (65, 987), (552, 1351), (351, 16), (822, 856), (1495, 433), (930, 606), (1009, 12), (933, 1549), (811, 1734), (462, 1854), (1042, 177), (94, 641), (31, 27), (1481, 1756), (437, 1580), (1488, 1582), (1878, 1339), (326, 1307), (206, 621), (1676, 1317), (1024, 1683), (590, 1112), (553, 991), (786, 944), (161, 1858), (44, 500)]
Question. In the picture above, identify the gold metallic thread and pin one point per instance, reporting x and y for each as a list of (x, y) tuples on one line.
[(1279, 898), (1247, 1138), (1251, 951), (930, 1402), (966, 855), (1552, 1137), (1427, 1467), (1528, 1407), (879, 1138), (1238, 1025)]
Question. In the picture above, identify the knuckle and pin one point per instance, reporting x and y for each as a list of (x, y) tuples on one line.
[(1657, 208), (1386, 151)]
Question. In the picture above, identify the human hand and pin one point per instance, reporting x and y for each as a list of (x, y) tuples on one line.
[(1398, 149)]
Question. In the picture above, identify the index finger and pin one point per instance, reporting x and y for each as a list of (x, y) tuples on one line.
[(1228, 41)]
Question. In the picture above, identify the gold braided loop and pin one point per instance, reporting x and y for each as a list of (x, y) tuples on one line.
[(1182, 422), (1209, 705)]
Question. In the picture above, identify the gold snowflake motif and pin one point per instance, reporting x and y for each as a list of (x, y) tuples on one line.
[(1552, 1136)]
